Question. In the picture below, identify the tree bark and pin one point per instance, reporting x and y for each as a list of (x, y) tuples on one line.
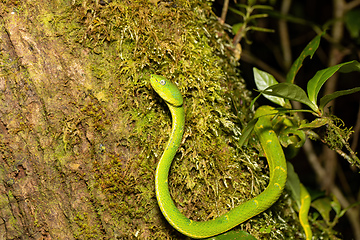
[(44, 188)]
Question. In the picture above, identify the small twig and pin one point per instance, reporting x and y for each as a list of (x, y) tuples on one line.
[(356, 133), (239, 35), (352, 5), (246, 56), (242, 31), (284, 35), (341, 153), (224, 11)]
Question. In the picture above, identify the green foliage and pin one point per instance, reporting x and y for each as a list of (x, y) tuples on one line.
[(328, 212), (293, 92), (263, 80), (336, 137), (314, 85), (233, 235), (246, 11), (290, 91), (309, 50), (293, 184), (324, 206), (352, 22), (328, 98)]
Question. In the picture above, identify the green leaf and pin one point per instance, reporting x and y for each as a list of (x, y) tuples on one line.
[(309, 50), (342, 212), (237, 12), (352, 66), (233, 235), (318, 122), (327, 98), (264, 7), (352, 22), (241, 6), (323, 206), (335, 204), (293, 183), (292, 136), (315, 84), (260, 29), (292, 92), (264, 80), (247, 131), (254, 16), (253, 101), (236, 27)]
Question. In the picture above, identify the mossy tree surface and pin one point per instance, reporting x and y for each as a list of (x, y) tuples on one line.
[(81, 129)]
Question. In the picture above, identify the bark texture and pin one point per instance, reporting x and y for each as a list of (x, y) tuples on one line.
[(43, 186)]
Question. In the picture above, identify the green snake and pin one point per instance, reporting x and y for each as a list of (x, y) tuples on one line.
[(271, 147), (304, 211)]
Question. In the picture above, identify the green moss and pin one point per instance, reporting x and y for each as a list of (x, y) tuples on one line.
[(84, 231)]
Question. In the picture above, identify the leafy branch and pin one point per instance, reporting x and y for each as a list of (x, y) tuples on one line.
[(281, 93), (246, 12)]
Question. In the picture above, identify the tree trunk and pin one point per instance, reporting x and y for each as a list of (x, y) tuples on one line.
[(45, 186)]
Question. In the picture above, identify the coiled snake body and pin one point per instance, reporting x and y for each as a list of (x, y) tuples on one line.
[(271, 147)]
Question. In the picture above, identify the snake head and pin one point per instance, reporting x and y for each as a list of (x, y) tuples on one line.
[(166, 90)]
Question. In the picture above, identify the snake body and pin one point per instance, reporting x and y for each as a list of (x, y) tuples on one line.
[(271, 147), (304, 211)]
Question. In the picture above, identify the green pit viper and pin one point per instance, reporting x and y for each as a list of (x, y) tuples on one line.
[(271, 147)]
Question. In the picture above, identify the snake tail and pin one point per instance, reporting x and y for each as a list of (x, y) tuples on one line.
[(272, 149), (304, 211)]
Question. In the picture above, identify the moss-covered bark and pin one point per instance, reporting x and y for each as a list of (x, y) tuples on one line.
[(81, 129)]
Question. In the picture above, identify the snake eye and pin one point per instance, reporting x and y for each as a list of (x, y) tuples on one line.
[(162, 82)]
